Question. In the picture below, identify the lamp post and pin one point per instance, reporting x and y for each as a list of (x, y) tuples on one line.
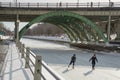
[(77, 3), (16, 3)]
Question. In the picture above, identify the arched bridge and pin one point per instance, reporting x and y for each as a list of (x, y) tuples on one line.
[(84, 28), (74, 25)]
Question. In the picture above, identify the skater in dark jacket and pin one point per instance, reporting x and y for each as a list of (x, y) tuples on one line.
[(73, 60), (93, 59)]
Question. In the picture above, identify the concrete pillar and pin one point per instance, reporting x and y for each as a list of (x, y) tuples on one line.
[(16, 31), (19, 46), (22, 50), (38, 66), (109, 22), (27, 58), (109, 26)]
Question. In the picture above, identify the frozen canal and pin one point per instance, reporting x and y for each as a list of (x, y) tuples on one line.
[(57, 56)]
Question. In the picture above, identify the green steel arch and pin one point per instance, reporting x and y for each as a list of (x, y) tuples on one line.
[(45, 17), (65, 28), (75, 29), (69, 29), (63, 23), (70, 23)]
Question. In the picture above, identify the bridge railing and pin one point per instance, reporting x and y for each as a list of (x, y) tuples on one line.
[(60, 5), (35, 64)]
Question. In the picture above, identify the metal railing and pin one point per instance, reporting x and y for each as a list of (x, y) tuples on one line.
[(60, 5), (34, 63)]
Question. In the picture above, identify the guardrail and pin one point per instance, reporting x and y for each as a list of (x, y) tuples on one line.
[(60, 5), (36, 61)]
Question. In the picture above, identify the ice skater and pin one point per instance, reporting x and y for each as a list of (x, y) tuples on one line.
[(73, 60), (94, 60)]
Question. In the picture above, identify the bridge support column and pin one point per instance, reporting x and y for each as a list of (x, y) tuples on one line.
[(16, 32), (109, 26)]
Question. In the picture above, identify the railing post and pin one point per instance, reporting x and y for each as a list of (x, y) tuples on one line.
[(47, 4), (57, 5), (0, 4), (19, 4), (27, 58), (10, 4), (87, 4), (38, 64), (22, 50), (20, 47), (98, 4), (66, 5), (28, 5), (77, 4), (37, 4)]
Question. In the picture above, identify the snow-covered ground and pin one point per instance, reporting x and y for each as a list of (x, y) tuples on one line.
[(57, 56), (60, 38), (4, 37), (64, 37)]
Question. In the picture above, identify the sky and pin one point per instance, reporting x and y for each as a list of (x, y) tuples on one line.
[(10, 25)]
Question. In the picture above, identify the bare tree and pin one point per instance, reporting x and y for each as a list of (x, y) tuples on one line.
[(45, 29)]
